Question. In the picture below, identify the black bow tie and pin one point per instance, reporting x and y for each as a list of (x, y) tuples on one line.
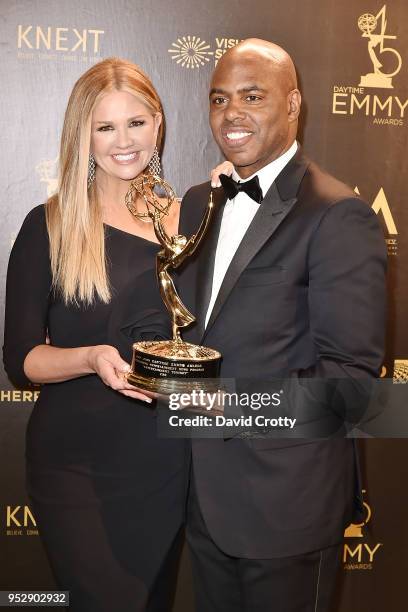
[(251, 188)]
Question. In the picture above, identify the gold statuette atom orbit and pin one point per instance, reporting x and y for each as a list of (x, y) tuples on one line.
[(143, 187)]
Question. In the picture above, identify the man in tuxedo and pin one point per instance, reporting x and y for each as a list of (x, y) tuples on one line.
[(289, 283)]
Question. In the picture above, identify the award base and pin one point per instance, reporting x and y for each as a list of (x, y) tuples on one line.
[(373, 79), (170, 366)]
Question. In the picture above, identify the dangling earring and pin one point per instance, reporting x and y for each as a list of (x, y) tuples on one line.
[(154, 165), (91, 170)]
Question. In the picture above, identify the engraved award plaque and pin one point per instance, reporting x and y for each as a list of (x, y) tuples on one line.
[(170, 366)]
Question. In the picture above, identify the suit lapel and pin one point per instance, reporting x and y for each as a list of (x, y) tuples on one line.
[(206, 259), (276, 205)]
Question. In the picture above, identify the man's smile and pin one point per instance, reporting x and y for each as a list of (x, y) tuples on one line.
[(236, 137)]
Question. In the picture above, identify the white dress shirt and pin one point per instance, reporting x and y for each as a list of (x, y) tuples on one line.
[(236, 219)]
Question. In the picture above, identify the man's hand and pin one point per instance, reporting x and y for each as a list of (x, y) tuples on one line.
[(224, 168)]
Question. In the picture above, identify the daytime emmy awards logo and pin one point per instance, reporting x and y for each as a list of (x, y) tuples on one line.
[(356, 530), (359, 555), (369, 24), (192, 52), (355, 99)]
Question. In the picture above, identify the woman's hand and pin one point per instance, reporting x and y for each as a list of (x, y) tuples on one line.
[(51, 364), (224, 168), (106, 361)]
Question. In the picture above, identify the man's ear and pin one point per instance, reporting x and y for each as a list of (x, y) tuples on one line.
[(294, 103)]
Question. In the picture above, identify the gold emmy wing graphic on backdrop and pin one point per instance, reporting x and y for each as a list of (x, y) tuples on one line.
[(356, 530), (167, 366), (47, 170), (190, 51), (368, 24)]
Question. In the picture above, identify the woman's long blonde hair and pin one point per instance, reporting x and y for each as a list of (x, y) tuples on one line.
[(74, 219)]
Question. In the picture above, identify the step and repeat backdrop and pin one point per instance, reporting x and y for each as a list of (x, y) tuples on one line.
[(352, 61)]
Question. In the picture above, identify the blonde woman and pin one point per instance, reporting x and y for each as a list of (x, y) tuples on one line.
[(107, 493)]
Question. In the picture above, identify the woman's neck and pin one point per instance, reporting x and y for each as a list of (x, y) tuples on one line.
[(111, 193)]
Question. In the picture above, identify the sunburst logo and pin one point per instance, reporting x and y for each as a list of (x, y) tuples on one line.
[(191, 52)]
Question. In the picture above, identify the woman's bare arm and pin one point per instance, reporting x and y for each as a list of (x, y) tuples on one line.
[(50, 364)]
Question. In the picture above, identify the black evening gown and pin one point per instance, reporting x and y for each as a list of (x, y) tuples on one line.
[(107, 492)]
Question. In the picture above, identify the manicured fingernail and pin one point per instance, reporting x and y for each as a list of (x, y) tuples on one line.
[(126, 368), (148, 400)]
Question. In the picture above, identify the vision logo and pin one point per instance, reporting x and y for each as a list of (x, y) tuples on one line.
[(191, 52)]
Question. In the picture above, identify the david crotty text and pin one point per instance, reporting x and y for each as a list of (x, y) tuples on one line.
[(176, 420)]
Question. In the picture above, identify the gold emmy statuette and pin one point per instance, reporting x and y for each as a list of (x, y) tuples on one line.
[(373, 27), (170, 366)]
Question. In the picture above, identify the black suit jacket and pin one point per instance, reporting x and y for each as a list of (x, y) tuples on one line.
[(304, 296)]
